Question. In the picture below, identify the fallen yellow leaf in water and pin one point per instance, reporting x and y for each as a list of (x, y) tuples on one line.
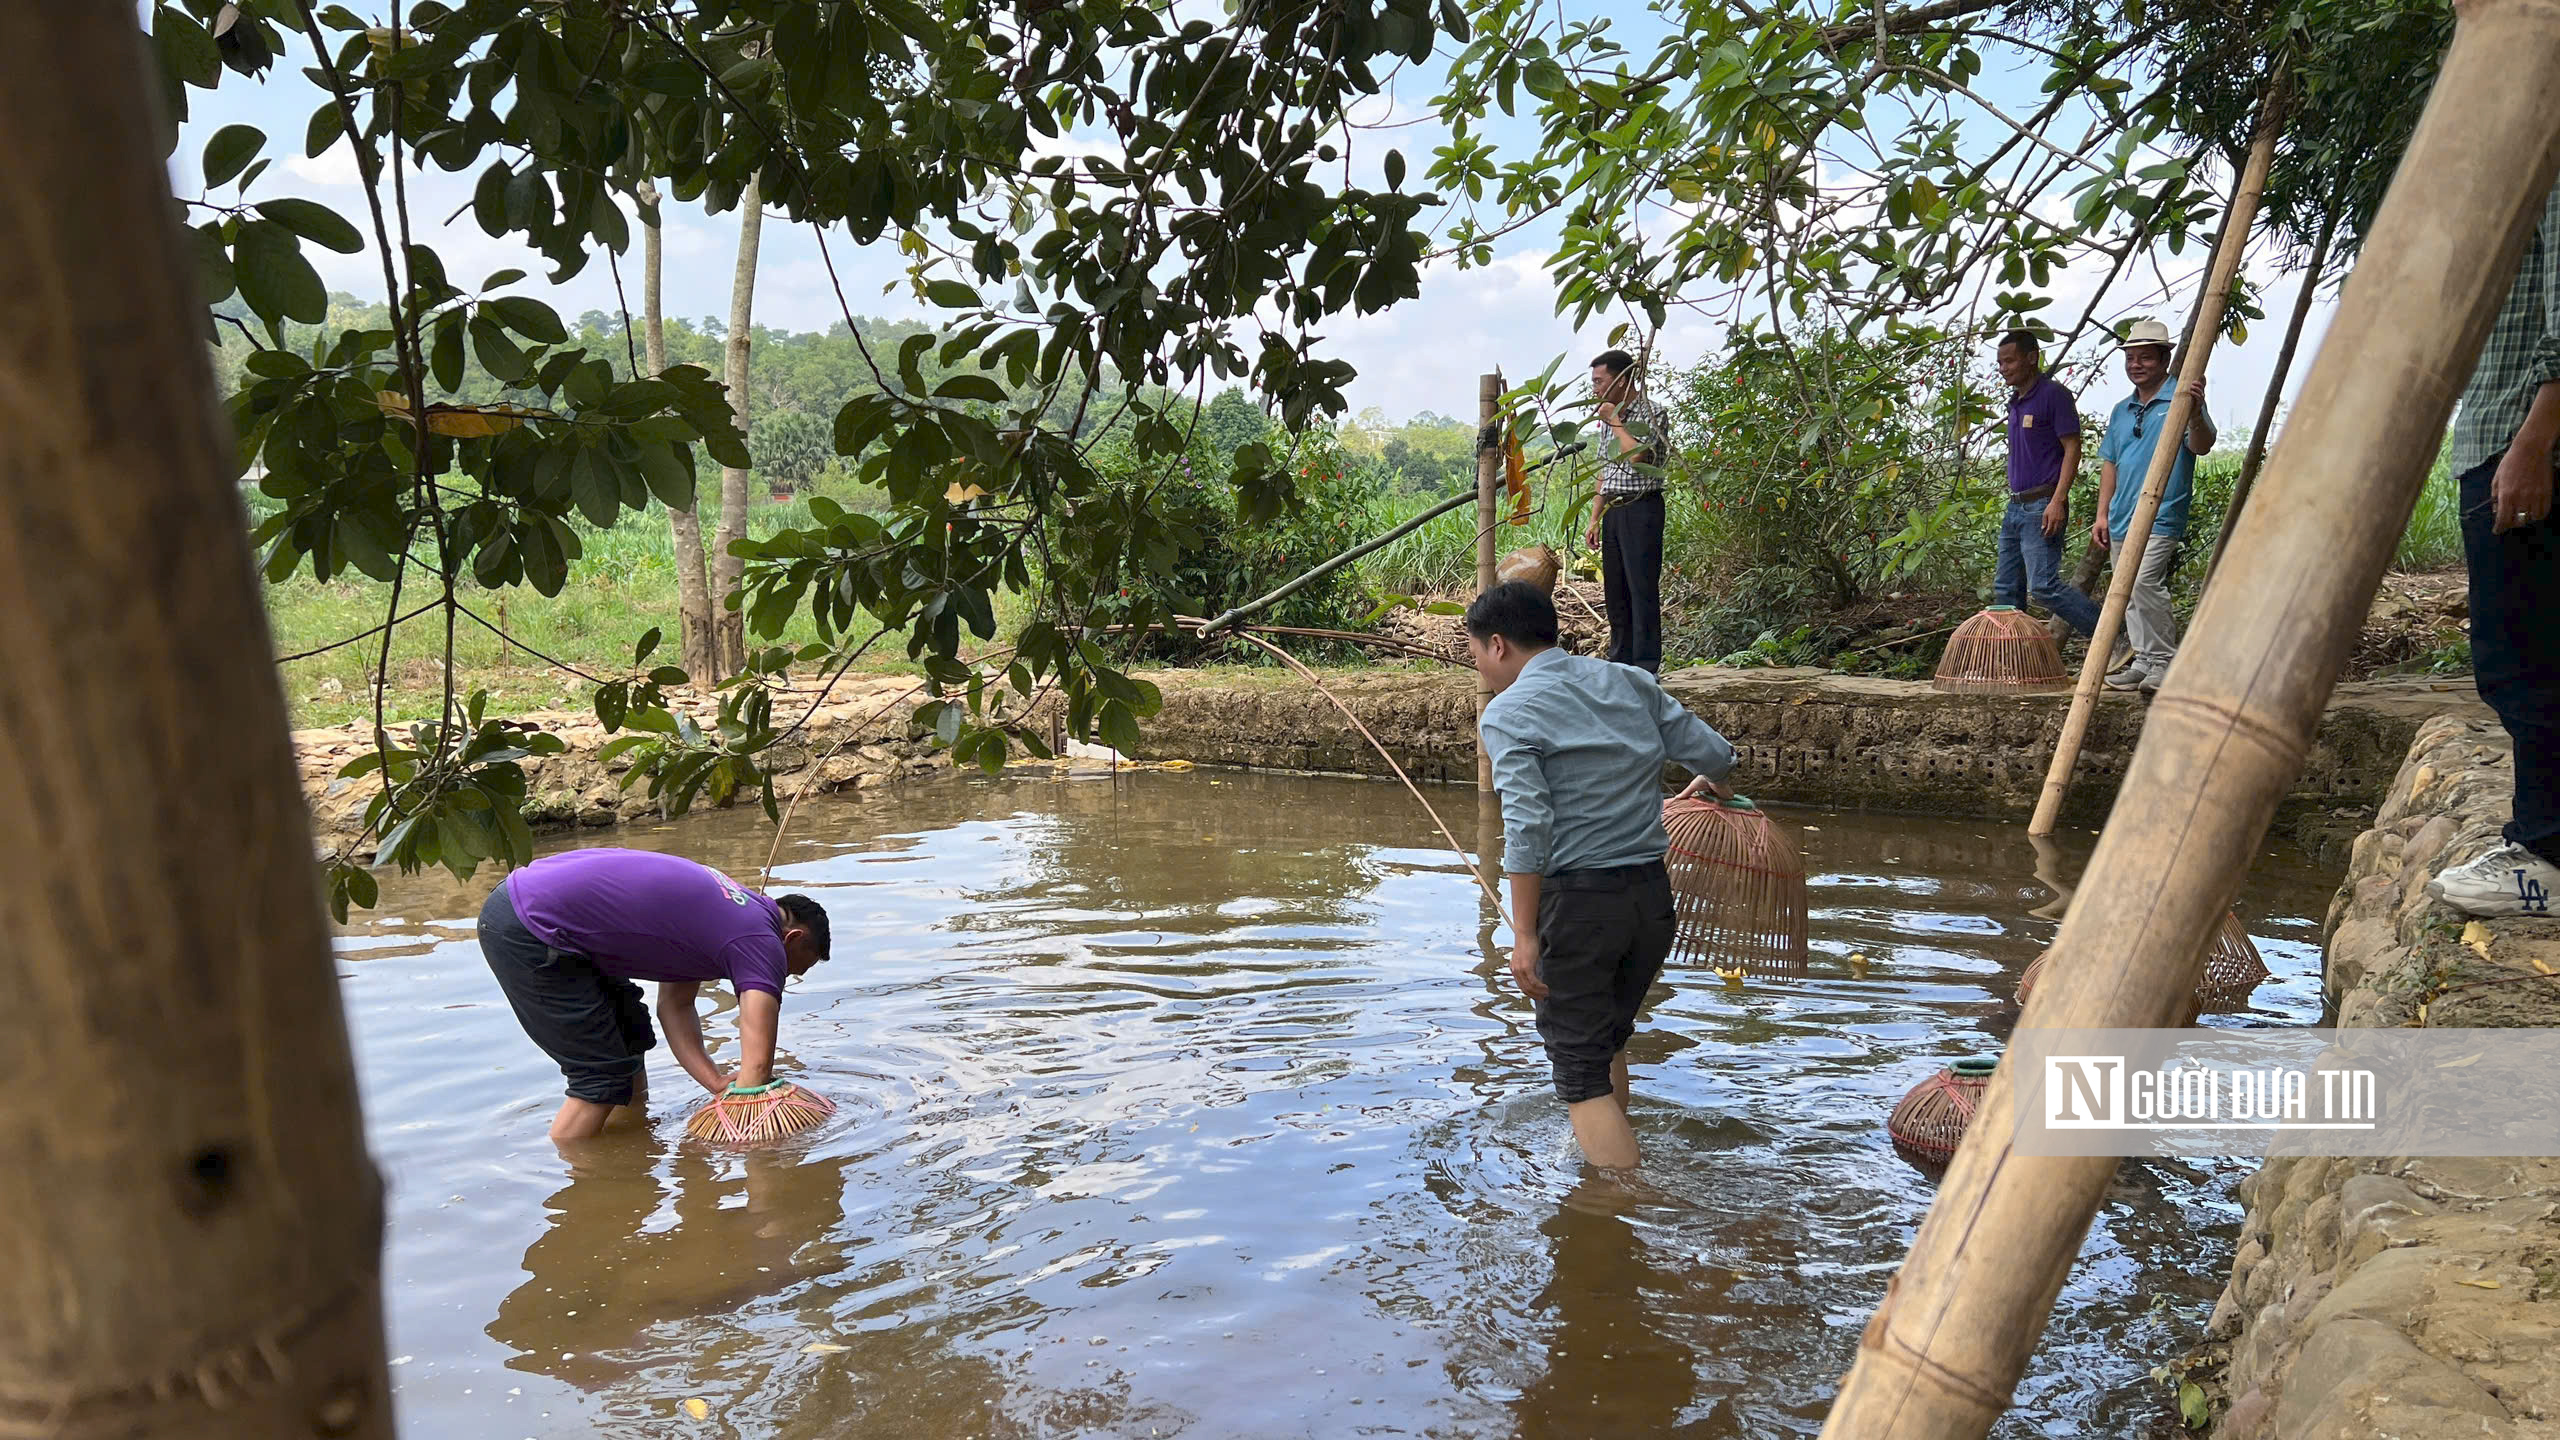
[(697, 1409), (2481, 1284), (821, 1347)]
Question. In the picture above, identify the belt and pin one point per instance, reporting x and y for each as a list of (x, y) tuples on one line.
[(2021, 497), (1605, 877)]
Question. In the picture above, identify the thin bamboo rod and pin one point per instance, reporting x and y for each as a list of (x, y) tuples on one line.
[(2164, 455), (2267, 408), (190, 1231), (1488, 496), (2226, 737)]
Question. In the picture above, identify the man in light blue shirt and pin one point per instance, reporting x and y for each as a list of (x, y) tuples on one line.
[(2124, 464), (1578, 747)]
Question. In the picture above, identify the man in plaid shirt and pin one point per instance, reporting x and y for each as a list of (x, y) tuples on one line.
[(1626, 513), (2502, 448)]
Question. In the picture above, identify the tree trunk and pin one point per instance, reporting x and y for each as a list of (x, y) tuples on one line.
[(694, 620), (727, 569), (2275, 394), (190, 1231)]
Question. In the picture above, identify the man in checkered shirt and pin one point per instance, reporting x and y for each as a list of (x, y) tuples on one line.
[(2504, 435), (1626, 514)]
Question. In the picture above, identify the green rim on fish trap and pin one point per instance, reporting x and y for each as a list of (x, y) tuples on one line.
[(1737, 886), (1932, 1118), (2002, 651)]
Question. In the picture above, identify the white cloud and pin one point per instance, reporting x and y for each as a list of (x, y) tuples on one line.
[(334, 166)]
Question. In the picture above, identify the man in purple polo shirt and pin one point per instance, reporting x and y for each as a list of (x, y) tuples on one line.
[(2044, 459), (568, 934)]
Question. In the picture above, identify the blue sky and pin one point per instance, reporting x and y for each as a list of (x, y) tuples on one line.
[(1421, 355)]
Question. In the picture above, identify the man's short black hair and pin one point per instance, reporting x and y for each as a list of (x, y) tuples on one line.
[(2024, 341), (1616, 362), (1518, 612), (806, 913)]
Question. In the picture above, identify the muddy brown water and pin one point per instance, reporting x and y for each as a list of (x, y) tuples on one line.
[(1198, 1105)]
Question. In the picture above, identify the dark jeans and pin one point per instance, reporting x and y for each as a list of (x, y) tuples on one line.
[(1602, 938), (1631, 571), (2030, 564), (595, 1025), (2515, 651)]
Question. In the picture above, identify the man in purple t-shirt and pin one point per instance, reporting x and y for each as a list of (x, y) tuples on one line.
[(2044, 460), (568, 934)]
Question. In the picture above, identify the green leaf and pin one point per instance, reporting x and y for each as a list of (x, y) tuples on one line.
[(952, 295), (499, 355), (969, 385), (648, 644), (230, 151), (668, 469), (668, 675), (314, 222), (444, 361), (325, 126), (529, 318), (186, 47), (591, 485), (2193, 1407), (274, 278), (214, 282), (1119, 727)]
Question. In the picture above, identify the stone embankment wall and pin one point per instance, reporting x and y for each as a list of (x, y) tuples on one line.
[(1805, 737), (2419, 1297)]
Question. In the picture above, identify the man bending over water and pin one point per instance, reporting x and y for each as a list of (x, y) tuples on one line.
[(1578, 747), (568, 934)]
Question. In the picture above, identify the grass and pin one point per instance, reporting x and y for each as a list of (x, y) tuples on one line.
[(623, 584)]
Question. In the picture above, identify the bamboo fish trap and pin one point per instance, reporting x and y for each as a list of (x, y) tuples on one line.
[(1931, 1120), (2001, 651), (1536, 564), (760, 1115), (1737, 888), (2232, 968)]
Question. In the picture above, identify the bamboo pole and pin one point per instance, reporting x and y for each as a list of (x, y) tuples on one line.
[(190, 1231), (2267, 408), (2226, 737), (2164, 455), (1488, 495)]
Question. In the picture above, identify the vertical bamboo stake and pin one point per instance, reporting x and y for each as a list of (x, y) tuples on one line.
[(2164, 455), (1488, 492), (190, 1232), (2275, 394), (2226, 737), (728, 571)]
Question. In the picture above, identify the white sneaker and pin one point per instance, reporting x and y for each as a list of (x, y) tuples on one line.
[(2509, 880), (2131, 677)]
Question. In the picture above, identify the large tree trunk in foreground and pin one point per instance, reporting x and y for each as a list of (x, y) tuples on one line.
[(2224, 741), (694, 618), (727, 569), (190, 1232)]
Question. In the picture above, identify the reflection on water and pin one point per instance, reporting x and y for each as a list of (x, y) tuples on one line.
[(1202, 1105)]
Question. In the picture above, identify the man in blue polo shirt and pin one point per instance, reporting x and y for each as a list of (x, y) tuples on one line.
[(2124, 464), (2044, 459)]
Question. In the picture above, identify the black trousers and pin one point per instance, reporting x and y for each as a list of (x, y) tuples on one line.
[(1602, 938), (2515, 650), (595, 1025), (1631, 573)]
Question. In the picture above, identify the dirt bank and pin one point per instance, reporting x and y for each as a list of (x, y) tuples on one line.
[(1806, 737), (2415, 1297)]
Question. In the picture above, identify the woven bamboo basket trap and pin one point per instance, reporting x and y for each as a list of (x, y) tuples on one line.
[(1932, 1118), (2232, 968), (2002, 651), (1737, 885)]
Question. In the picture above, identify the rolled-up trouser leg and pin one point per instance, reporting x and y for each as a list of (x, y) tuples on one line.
[(1602, 938), (596, 1026)]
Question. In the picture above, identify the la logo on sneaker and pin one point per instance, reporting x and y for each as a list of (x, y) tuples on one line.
[(2531, 891)]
